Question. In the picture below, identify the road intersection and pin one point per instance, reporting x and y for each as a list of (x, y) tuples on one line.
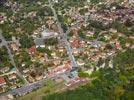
[(28, 87)]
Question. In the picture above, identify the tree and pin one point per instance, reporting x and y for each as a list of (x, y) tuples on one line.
[(100, 62), (4, 58), (110, 84), (124, 58), (44, 50), (95, 1), (81, 34), (109, 46), (51, 41), (121, 28), (26, 42), (83, 74)]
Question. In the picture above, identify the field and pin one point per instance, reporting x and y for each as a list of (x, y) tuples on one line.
[(48, 88)]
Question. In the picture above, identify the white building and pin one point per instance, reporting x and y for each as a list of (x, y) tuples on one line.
[(47, 33)]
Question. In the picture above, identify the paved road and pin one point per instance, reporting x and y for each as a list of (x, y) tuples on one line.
[(29, 87), (4, 43), (64, 37)]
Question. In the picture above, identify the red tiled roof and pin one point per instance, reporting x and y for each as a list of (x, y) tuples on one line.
[(2, 80), (31, 50), (75, 43)]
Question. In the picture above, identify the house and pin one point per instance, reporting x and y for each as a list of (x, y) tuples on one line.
[(68, 84), (55, 1), (127, 44), (74, 30), (131, 37), (58, 70), (120, 34), (57, 62), (131, 1), (23, 64), (31, 79), (75, 52), (7, 97), (61, 49), (39, 42), (95, 58), (89, 34), (76, 79), (107, 37), (31, 50), (42, 59), (118, 46), (80, 63), (2, 81), (26, 71), (73, 81), (47, 33), (54, 55), (12, 76), (39, 77), (90, 71), (75, 43), (4, 69), (3, 18), (14, 47)]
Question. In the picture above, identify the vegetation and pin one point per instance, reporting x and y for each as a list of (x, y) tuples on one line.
[(95, 1), (46, 11), (69, 3), (51, 41), (22, 22), (121, 28), (23, 57), (44, 50), (109, 46), (26, 42), (82, 74), (124, 59), (81, 34), (4, 58), (48, 88), (111, 84)]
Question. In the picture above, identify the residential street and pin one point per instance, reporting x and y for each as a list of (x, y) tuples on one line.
[(64, 37), (28, 87), (4, 43)]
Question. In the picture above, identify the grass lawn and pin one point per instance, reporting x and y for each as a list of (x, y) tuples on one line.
[(48, 88)]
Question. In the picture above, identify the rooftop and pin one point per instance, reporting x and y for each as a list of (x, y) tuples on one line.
[(39, 42), (2, 80)]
